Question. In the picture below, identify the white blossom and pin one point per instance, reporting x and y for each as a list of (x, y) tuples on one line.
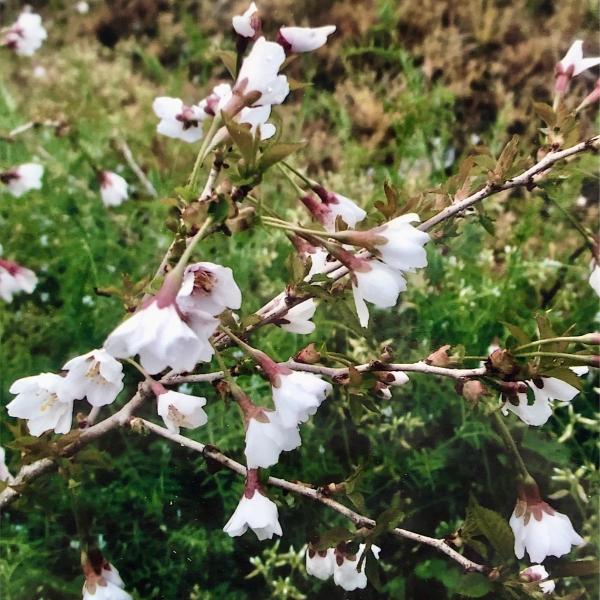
[(267, 438), (208, 288), (178, 120), (113, 189), (23, 178), (96, 376), (298, 318), (26, 35), (38, 400), (259, 74), (573, 59), (257, 512), (538, 573), (107, 585), (159, 335), (402, 246), (345, 572), (331, 207), (320, 563), (380, 285), (545, 391), (14, 279), (181, 410), (298, 395), (257, 117), (397, 378), (247, 25), (540, 530), (304, 39)]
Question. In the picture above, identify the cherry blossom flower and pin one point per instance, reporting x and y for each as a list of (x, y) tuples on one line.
[(331, 207), (318, 256), (180, 410), (345, 573), (538, 573), (539, 529), (267, 438), (208, 288), (298, 318), (248, 24), (96, 376), (571, 65), (178, 120), (14, 279), (258, 82), (5, 474), (376, 283), (26, 35), (102, 579), (254, 510), (113, 188), (23, 178), (296, 395), (545, 390), (591, 98), (160, 336), (400, 245), (320, 563), (304, 39), (39, 401)]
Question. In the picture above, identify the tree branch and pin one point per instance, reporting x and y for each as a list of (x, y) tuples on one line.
[(310, 492)]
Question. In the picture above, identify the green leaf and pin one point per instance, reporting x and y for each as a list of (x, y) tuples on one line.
[(242, 136), (277, 152), (373, 570), (332, 537), (228, 58), (521, 337), (565, 374), (493, 527), (473, 585), (545, 112), (577, 568)]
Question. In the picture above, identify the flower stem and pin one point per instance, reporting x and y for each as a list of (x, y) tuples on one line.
[(578, 357), (297, 229), (185, 257), (510, 444), (241, 343), (299, 174), (141, 369), (298, 189), (585, 234), (195, 175), (575, 338)]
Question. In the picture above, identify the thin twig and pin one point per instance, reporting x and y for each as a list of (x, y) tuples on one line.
[(128, 155), (307, 491)]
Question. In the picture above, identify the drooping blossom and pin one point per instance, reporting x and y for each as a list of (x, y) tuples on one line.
[(15, 279), (571, 65), (5, 474), (345, 573), (179, 121), (208, 288), (179, 410), (537, 573), (254, 510), (298, 318), (545, 391), (540, 530), (377, 283), (102, 579), (594, 279), (318, 256), (26, 35), (331, 206), (591, 98), (159, 335), (267, 438), (39, 401), (320, 563), (304, 39), (96, 376), (258, 82), (248, 24), (113, 188), (20, 180)]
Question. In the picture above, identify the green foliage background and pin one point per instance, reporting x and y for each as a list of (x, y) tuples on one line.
[(386, 100)]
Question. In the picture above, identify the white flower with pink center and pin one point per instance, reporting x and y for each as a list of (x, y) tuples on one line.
[(298, 318), (320, 563), (180, 410), (537, 573), (267, 438), (113, 188), (332, 206), (38, 399), (20, 180), (96, 376), (345, 573), (15, 279), (102, 580), (179, 121), (304, 39), (572, 64), (247, 24), (540, 530), (26, 35)]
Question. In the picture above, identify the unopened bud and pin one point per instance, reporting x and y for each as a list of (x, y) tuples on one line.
[(243, 220), (502, 361), (473, 390), (308, 355), (439, 358), (382, 390)]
